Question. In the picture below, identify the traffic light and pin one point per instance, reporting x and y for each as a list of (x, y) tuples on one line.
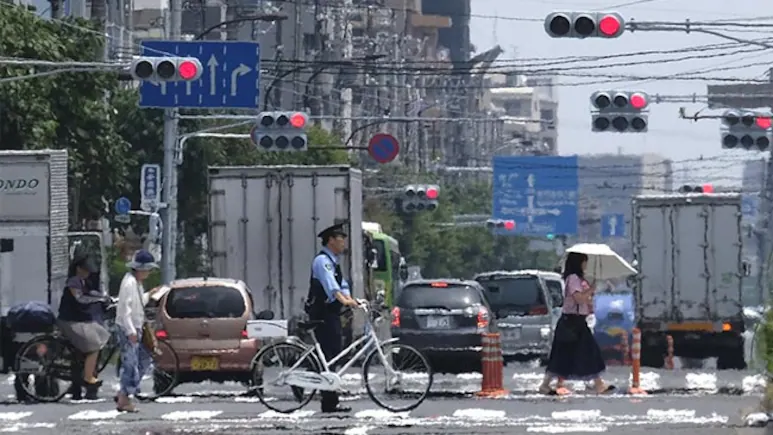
[(281, 131), (166, 69), (620, 111), (500, 224), (420, 197), (747, 129), (706, 188), (584, 25)]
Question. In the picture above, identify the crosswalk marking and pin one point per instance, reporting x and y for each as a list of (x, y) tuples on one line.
[(584, 428), (190, 415), (90, 414)]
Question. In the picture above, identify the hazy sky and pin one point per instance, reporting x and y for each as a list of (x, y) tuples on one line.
[(668, 135)]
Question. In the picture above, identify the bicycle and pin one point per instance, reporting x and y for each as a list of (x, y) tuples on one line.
[(51, 358), (311, 371)]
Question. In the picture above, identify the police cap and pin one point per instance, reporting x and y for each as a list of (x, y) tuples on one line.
[(332, 231)]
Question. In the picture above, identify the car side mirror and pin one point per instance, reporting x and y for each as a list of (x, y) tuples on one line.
[(265, 315), (380, 297), (403, 272)]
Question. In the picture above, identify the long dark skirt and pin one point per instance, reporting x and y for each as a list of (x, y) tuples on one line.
[(578, 358)]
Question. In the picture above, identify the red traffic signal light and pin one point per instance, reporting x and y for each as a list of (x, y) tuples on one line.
[(638, 101), (509, 225), (763, 122), (432, 193), (610, 26), (298, 120), (708, 188), (188, 70)]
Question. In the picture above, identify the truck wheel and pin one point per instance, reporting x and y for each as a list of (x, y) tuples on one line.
[(732, 359), (652, 357)]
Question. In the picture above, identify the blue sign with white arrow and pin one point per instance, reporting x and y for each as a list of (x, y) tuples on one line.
[(123, 205), (750, 206), (613, 225), (230, 79)]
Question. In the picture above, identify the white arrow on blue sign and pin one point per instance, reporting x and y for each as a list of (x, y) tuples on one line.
[(150, 186), (123, 205)]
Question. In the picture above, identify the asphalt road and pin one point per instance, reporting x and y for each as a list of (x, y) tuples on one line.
[(682, 401)]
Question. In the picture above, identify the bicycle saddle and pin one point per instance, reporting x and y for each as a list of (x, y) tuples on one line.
[(310, 324)]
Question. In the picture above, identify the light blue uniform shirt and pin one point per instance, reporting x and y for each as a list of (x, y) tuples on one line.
[(323, 269)]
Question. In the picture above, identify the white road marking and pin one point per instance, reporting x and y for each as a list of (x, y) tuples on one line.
[(273, 415), (14, 416), (577, 415), (479, 414), (180, 399), (358, 430), (701, 381), (190, 415), (91, 414), (379, 414), (566, 429)]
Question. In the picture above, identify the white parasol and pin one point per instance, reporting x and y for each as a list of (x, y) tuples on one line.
[(603, 262)]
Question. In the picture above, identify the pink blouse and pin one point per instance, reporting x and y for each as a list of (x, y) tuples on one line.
[(576, 284)]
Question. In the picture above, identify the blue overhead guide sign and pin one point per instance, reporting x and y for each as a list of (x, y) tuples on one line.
[(538, 193), (231, 75), (750, 206)]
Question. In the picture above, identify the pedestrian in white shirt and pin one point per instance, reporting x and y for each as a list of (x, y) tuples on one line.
[(130, 317)]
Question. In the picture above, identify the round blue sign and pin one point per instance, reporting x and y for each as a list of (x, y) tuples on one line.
[(123, 205), (383, 148)]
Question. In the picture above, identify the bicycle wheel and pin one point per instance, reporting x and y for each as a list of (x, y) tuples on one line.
[(45, 367), (107, 353), (163, 373), (269, 367), (404, 370)]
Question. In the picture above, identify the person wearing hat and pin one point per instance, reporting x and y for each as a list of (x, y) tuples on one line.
[(81, 314), (328, 294), (130, 317)]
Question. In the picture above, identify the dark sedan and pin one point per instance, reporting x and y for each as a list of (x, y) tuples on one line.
[(444, 319)]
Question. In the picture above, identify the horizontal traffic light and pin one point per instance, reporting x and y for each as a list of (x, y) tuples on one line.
[(166, 69), (705, 188), (503, 224), (621, 123), (584, 25), (746, 129), (420, 197), (620, 101), (281, 131)]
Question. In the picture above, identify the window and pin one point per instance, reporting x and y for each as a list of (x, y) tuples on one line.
[(514, 292), (212, 302), (556, 290), (381, 256), (451, 297), (515, 108), (546, 115)]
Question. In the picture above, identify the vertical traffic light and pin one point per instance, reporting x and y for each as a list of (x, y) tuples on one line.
[(166, 69), (584, 25), (619, 111), (281, 131), (500, 224), (745, 129), (420, 197)]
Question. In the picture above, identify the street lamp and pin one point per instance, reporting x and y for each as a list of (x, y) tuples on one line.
[(267, 18)]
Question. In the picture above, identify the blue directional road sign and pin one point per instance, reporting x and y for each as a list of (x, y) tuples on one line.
[(538, 192), (231, 76), (123, 205), (750, 206), (613, 225)]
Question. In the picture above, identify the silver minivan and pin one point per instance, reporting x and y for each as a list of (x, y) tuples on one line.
[(526, 304)]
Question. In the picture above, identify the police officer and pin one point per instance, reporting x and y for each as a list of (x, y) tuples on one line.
[(329, 293)]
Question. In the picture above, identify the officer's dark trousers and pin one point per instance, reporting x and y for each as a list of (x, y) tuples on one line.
[(329, 337)]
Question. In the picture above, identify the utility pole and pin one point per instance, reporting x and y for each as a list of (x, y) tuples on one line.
[(298, 53), (348, 48), (171, 145)]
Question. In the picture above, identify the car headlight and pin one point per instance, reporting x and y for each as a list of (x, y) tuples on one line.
[(544, 332)]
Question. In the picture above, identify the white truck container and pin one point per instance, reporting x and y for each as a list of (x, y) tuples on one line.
[(34, 215), (688, 248), (264, 222)]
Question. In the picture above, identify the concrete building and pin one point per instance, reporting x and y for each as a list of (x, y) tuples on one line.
[(608, 182), (529, 110)]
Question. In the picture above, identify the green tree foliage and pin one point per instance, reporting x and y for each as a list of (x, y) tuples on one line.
[(61, 111)]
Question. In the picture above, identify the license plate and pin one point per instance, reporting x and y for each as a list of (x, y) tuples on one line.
[(438, 322), (512, 334), (205, 363)]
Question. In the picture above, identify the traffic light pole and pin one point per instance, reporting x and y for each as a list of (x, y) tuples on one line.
[(169, 236)]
